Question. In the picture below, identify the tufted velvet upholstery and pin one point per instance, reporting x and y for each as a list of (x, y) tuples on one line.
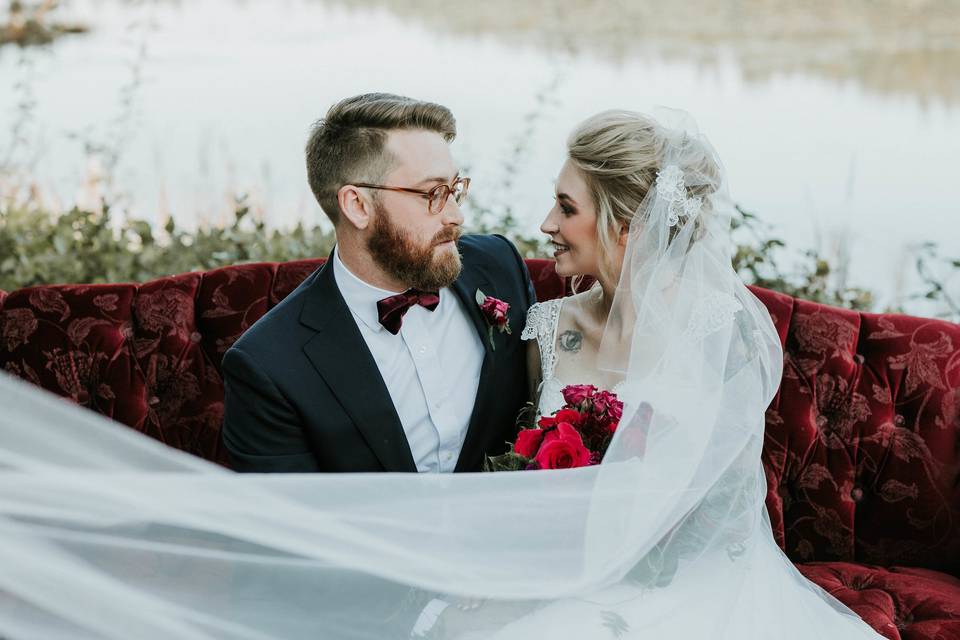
[(862, 454)]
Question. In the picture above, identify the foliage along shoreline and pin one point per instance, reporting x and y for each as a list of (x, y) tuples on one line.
[(39, 247)]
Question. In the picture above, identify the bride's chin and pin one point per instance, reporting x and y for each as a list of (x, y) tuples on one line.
[(564, 269)]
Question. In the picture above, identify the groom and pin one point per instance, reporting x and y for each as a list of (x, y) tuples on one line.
[(383, 359)]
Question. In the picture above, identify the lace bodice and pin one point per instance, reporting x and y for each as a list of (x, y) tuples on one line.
[(543, 318)]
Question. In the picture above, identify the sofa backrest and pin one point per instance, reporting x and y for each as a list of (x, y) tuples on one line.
[(861, 451)]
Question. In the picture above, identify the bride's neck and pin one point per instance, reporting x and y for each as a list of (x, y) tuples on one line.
[(603, 298), (608, 286)]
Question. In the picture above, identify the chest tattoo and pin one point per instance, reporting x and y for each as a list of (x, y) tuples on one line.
[(570, 341)]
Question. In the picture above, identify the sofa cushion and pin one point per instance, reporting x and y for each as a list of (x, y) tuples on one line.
[(183, 403), (861, 450), (901, 603), (73, 341)]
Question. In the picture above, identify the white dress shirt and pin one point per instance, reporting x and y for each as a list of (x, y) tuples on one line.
[(431, 367)]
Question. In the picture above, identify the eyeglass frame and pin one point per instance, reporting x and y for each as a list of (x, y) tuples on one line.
[(429, 193)]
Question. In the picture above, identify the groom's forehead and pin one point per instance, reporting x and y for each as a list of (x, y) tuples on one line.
[(420, 156)]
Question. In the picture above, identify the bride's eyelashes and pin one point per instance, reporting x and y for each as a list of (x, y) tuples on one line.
[(565, 208)]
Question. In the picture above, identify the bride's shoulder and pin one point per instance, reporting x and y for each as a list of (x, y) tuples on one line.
[(583, 297), (541, 317)]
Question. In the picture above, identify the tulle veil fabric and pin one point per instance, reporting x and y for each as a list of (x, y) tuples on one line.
[(105, 533)]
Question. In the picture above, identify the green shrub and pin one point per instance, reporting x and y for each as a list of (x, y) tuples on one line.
[(40, 247), (37, 247)]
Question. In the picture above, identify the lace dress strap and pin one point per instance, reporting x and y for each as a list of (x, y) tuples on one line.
[(542, 321)]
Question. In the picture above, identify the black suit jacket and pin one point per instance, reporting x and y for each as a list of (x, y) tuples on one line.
[(303, 393)]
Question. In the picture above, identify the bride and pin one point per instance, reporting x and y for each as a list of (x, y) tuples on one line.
[(107, 534)]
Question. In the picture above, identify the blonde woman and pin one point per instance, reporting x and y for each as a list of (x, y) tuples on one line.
[(641, 210)]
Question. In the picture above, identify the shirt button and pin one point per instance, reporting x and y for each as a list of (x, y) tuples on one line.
[(422, 350)]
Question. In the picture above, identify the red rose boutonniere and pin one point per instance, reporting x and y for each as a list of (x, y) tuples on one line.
[(495, 311)]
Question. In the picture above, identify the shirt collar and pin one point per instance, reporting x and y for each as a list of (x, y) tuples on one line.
[(360, 297)]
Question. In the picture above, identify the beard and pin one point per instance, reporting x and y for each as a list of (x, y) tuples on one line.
[(416, 265)]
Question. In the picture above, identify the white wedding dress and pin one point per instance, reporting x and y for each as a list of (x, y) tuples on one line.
[(753, 590)]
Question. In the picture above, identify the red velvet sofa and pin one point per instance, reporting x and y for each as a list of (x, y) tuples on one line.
[(862, 452)]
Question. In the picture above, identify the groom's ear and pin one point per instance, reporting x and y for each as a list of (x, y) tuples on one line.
[(353, 206)]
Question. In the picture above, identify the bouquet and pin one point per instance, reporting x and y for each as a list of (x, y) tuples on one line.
[(577, 435)]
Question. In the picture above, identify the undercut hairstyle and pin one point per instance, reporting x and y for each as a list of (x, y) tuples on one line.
[(348, 144)]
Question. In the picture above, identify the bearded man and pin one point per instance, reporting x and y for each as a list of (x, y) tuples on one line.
[(395, 355)]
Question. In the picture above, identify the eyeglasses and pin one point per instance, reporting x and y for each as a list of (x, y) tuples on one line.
[(437, 197)]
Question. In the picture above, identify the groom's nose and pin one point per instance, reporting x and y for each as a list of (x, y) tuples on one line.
[(451, 213)]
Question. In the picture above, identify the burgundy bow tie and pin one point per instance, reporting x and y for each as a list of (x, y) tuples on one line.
[(392, 309)]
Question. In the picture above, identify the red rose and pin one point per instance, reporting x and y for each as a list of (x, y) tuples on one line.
[(577, 393), (571, 416), (563, 449), (546, 422), (528, 442), (553, 434)]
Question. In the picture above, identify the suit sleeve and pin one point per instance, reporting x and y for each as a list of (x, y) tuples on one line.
[(261, 431), (524, 272)]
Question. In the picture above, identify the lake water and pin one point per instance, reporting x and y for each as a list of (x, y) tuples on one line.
[(854, 154)]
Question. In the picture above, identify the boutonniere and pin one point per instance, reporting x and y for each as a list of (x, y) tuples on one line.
[(495, 311)]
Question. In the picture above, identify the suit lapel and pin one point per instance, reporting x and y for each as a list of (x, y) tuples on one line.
[(340, 356), (466, 290)]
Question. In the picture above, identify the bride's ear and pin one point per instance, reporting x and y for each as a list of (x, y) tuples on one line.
[(624, 233)]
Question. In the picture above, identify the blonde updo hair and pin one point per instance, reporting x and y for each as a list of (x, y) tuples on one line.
[(619, 154)]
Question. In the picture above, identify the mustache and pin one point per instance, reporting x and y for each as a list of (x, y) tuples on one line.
[(444, 236)]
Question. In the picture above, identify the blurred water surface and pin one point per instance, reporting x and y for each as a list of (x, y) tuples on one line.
[(839, 122)]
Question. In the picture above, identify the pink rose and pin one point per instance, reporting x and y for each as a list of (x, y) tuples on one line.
[(577, 393), (614, 413), (563, 449), (601, 401), (495, 311), (528, 442), (607, 403)]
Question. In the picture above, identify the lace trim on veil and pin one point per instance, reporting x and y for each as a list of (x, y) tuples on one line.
[(713, 313)]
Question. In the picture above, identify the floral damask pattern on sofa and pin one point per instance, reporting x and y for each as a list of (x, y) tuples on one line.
[(862, 456)]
